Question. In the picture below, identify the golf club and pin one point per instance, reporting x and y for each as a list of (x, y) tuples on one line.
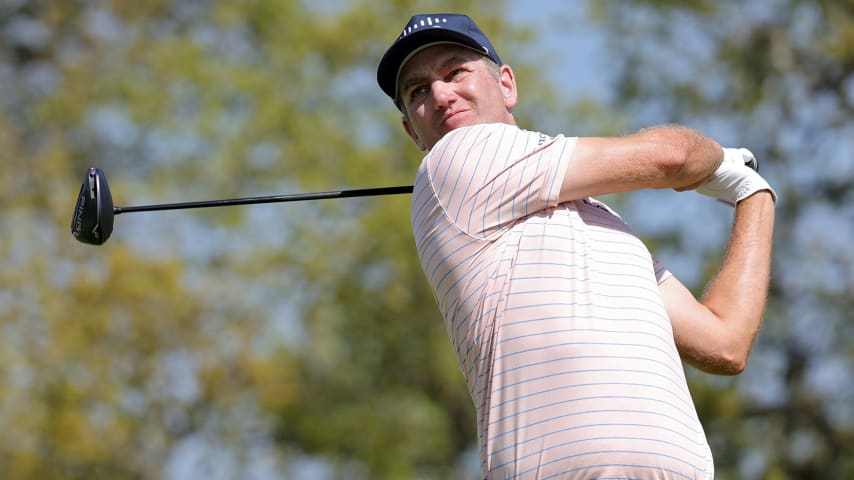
[(92, 221)]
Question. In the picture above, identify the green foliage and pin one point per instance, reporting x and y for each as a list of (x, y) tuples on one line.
[(200, 342), (196, 342)]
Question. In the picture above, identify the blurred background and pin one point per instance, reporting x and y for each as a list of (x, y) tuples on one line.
[(301, 340)]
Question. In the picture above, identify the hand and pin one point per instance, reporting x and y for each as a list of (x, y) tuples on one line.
[(736, 179)]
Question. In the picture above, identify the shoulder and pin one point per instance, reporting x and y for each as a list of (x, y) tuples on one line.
[(474, 139), (488, 131)]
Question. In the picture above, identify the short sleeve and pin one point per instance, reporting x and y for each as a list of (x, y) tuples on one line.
[(487, 177), (661, 272)]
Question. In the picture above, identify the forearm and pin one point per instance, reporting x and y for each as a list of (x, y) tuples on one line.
[(658, 157), (737, 294)]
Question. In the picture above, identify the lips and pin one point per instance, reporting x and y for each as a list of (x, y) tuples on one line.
[(449, 118)]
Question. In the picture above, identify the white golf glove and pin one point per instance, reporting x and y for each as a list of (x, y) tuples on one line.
[(736, 178)]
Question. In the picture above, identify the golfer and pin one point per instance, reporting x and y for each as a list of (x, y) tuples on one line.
[(570, 334)]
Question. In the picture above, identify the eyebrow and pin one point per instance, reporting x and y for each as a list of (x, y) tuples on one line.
[(415, 79)]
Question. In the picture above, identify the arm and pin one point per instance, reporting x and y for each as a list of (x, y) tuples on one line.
[(716, 333), (660, 157)]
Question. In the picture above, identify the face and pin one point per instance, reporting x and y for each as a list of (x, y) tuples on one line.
[(449, 86)]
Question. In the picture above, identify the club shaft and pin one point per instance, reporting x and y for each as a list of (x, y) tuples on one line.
[(361, 192)]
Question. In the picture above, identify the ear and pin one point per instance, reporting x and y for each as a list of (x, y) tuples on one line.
[(411, 132), (507, 80)]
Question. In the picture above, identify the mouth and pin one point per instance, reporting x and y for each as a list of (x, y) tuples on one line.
[(450, 119)]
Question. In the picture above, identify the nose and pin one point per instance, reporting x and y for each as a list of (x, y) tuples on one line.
[(443, 93)]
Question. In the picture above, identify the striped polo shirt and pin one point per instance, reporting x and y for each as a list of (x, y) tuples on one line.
[(555, 314)]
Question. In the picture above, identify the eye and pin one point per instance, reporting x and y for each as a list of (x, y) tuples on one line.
[(417, 91), (455, 72)]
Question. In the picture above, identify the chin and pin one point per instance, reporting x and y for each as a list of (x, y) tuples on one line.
[(458, 121)]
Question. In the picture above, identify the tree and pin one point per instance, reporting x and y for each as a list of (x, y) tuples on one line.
[(217, 343)]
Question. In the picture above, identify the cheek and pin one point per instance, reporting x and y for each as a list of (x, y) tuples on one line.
[(417, 121), (471, 90), (488, 93)]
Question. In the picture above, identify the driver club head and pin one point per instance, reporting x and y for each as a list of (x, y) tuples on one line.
[(92, 222)]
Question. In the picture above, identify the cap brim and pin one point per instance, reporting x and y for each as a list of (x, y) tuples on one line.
[(402, 51)]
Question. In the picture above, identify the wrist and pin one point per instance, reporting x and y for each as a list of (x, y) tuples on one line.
[(759, 196), (751, 184)]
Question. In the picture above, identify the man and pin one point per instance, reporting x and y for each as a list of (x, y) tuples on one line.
[(569, 333)]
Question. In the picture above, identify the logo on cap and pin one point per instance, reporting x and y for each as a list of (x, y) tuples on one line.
[(424, 22)]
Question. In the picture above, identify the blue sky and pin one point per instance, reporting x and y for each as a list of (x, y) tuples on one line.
[(574, 45)]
